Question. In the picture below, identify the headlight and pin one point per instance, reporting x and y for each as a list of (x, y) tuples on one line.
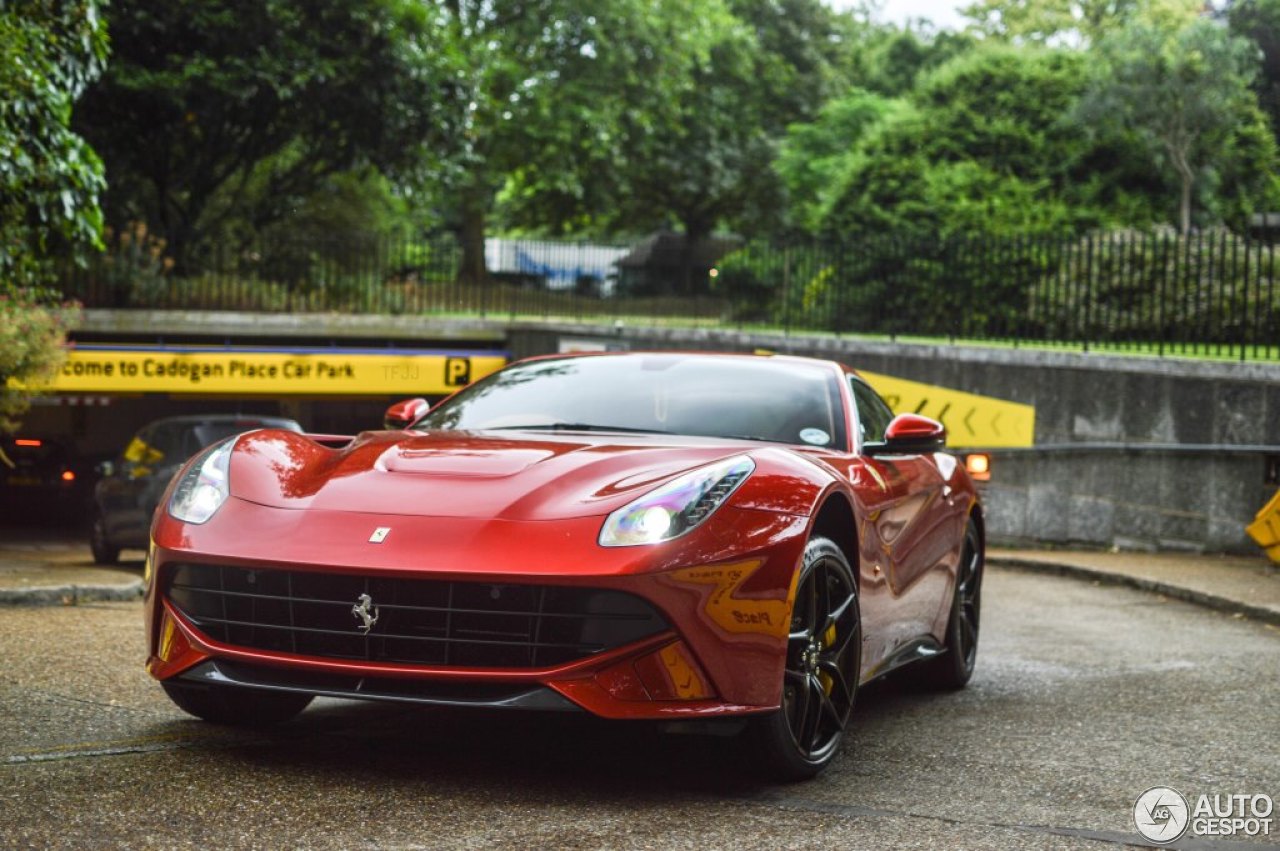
[(203, 488), (676, 507)]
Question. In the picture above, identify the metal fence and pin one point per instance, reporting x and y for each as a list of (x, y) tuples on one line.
[(1212, 293)]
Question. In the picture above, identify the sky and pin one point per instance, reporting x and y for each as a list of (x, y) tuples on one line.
[(941, 12)]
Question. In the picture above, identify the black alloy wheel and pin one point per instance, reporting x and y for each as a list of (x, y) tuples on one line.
[(820, 679), (954, 667)]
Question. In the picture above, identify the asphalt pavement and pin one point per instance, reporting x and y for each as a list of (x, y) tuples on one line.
[(1085, 695), (53, 567)]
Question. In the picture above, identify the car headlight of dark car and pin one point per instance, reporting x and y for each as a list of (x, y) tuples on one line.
[(677, 507), (204, 487)]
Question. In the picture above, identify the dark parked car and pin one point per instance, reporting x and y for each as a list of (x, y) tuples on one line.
[(130, 487), (42, 477)]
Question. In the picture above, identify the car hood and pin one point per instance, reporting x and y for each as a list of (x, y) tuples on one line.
[(502, 475)]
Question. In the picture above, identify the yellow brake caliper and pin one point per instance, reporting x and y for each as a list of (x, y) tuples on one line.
[(828, 640)]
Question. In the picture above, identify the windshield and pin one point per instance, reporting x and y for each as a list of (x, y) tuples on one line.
[(672, 394)]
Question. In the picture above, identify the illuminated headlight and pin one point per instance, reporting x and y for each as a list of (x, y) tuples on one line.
[(677, 507), (203, 487)]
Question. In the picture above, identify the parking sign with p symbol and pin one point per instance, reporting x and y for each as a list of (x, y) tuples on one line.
[(457, 372)]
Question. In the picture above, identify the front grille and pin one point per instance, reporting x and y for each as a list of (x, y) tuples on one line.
[(419, 621)]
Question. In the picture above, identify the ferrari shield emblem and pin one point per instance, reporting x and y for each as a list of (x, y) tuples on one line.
[(380, 534)]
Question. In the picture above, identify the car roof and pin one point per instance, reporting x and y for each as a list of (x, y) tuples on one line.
[(757, 356), (201, 419)]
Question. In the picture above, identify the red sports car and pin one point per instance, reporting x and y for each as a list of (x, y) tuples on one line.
[(634, 535)]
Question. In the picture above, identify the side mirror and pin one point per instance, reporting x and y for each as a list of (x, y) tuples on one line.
[(910, 434), (406, 413)]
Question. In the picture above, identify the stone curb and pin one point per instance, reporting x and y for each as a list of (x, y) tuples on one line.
[(70, 595), (1176, 592)]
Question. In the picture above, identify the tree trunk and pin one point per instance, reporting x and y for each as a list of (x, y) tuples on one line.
[(472, 270), (1181, 164), (1184, 212)]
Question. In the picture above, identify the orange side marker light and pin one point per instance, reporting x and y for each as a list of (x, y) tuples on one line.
[(979, 466)]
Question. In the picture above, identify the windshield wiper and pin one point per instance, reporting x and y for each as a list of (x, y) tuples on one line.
[(577, 427)]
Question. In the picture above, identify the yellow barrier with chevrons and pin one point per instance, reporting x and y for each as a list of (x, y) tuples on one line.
[(971, 420), (1265, 528)]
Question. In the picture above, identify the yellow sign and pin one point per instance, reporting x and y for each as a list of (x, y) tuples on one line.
[(1265, 528), (971, 420), (267, 372)]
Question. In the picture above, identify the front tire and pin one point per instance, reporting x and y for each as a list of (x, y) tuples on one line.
[(820, 677), (104, 552), (233, 705)]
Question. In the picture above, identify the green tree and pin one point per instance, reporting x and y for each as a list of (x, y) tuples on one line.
[(1078, 21), (814, 157), (214, 111), (49, 182), (1259, 20), (628, 115), (890, 60), (707, 159), (33, 329), (50, 179), (987, 145), (539, 93), (1185, 93)]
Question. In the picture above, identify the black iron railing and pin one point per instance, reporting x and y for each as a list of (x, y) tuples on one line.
[(1212, 293)]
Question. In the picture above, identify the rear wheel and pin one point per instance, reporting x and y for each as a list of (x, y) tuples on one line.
[(954, 667), (104, 552), (234, 705), (820, 680)]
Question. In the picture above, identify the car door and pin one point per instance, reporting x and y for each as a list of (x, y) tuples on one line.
[(908, 521)]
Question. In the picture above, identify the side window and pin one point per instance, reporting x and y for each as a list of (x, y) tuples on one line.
[(166, 441), (873, 414)]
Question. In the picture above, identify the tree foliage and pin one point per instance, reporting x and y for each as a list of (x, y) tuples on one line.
[(984, 146), (33, 328), (1259, 21), (1079, 22), (50, 179), (49, 182), (815, 157), (695, 142), (771, 64), (890, 60), (290, 121), (221, 111), (541, 90), (1184, 93)]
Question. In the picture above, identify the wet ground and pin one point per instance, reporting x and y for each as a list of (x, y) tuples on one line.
[(1085, 697)]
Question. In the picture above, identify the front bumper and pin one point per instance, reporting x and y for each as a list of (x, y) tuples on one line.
[(724, 592)]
